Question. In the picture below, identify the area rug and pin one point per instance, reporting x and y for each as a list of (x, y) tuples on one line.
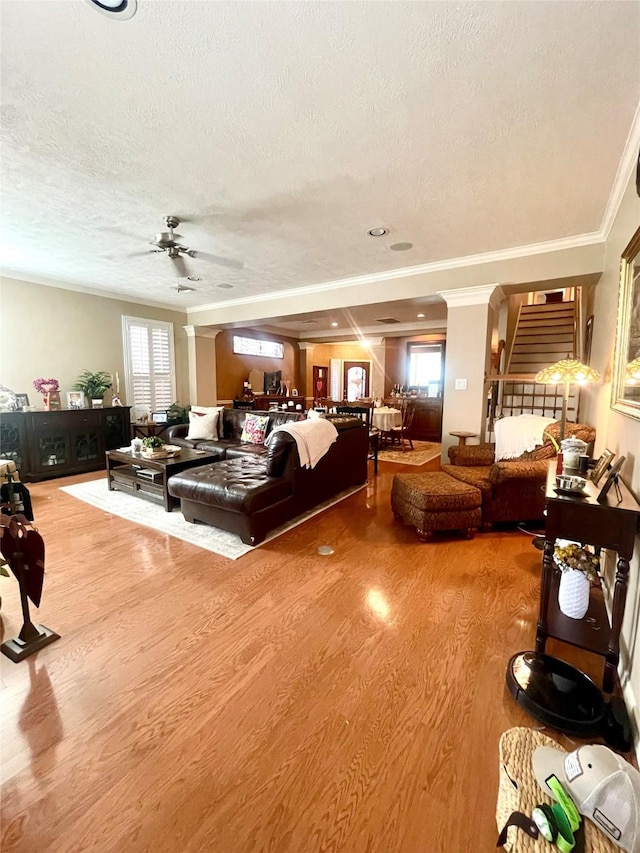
[(143, 511), (424, 451)]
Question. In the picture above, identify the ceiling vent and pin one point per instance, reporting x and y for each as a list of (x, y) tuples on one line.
[(309, 322), (388, 321)]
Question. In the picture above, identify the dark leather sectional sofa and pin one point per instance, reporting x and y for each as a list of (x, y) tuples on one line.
[(253, 489)]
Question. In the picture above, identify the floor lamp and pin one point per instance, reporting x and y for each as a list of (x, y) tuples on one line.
[(567, 371)]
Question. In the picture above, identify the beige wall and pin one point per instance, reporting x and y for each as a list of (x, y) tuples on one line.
[(59, 333), (615, 431)]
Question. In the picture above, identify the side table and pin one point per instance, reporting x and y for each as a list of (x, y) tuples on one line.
[(609, 525), (463, 436)]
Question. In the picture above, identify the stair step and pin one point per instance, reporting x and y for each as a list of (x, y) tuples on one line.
[(546, 323), (547, 308)]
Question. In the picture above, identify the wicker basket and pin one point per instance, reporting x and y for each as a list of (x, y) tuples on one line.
[(164, 452), (516, 769)]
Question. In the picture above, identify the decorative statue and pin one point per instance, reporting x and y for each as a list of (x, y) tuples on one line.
[(23, 549)]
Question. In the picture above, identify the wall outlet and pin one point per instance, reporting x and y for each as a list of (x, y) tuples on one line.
[(461, 384)]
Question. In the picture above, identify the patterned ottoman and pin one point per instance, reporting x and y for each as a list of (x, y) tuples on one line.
[(436, 501)]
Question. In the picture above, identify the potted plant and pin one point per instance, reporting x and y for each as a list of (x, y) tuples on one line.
[(178, 414), (152, 445), (579, 566), (94, 386)]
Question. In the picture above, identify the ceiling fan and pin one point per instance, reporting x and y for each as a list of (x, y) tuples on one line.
[(167, 242)]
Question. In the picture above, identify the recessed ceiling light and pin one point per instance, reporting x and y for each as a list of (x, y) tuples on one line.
[(421, 315), (401, 247), (120, 10), (225, 286), (193, 278), (377, 232), (334, 324)]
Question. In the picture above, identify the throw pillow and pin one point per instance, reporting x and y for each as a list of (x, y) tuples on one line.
[(255, 429), (203, 426), (208, 410)]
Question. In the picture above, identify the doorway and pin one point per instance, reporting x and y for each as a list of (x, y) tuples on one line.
[(320, 384), (356, 379)]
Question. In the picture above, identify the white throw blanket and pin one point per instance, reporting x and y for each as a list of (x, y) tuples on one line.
[(313, 438), (515, 436)]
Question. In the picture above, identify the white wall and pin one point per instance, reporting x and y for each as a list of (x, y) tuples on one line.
[(53, 333), (615, 431)]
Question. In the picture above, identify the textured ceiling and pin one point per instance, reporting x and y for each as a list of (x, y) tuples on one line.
[(283, 131)]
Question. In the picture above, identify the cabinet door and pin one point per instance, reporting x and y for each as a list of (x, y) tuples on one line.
[(13, 443), (50, 450)]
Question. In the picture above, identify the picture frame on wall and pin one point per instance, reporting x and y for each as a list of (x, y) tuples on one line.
[(611, 479), (601, 466), (22, 400), (75, 400)]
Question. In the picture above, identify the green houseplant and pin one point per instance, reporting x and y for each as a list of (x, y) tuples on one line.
[(93, 385), (152, 442)]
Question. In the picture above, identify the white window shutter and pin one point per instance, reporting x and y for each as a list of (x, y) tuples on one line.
[(149, 364)]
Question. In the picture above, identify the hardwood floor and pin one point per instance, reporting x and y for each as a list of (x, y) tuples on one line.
[(286, 701)]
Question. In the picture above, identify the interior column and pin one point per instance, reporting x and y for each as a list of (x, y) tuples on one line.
[(470, 320), (201, 348)]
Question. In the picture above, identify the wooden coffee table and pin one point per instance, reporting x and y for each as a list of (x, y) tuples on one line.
[(124, 467)]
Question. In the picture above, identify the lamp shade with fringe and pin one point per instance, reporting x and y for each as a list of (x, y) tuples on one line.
[(567, 371)]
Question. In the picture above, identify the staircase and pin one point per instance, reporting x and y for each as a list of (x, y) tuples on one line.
[(544, 334)]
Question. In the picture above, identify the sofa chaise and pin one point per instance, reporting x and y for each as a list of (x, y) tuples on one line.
[(251, 493)]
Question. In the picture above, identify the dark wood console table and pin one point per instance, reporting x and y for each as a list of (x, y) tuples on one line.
[(609, 525)]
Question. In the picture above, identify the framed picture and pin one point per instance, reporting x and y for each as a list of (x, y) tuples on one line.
[(294, 393), (159, 417), (613, 476), (601, 465), (22, 400), (75, 399)]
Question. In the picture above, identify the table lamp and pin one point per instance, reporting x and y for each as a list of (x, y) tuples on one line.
[(567, 371)]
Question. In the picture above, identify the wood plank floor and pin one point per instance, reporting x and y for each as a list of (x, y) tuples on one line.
[(286, 701)]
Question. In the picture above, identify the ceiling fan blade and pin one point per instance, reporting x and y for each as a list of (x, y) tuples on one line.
[(218, 259), (181, 267), (144, 253)]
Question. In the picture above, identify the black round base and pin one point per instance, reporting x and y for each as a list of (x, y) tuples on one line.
[(556, 693)]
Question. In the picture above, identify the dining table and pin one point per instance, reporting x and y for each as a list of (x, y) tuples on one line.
[(385, 418)]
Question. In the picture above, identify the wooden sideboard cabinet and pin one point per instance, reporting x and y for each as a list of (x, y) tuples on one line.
[(69, 441)]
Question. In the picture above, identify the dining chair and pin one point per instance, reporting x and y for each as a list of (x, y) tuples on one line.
[(363, 411), (402, 433)]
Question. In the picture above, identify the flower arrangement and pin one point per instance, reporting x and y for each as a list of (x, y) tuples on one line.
[(574, 557), (46, 386)]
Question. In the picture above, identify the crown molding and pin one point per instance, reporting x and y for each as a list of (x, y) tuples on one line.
[(89, 291), (626, 166), (579, 241)]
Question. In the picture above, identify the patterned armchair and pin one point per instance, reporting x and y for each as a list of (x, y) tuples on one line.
[(512, 489)]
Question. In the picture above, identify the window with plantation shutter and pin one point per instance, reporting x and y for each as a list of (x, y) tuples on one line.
[(149, 364)]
